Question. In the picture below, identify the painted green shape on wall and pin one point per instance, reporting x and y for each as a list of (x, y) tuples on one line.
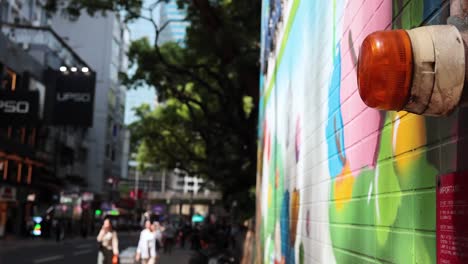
[(301, 254), (377, 221), (407, 14), (386, 183)]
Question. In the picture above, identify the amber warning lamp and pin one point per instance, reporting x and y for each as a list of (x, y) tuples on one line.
[(420, 70)]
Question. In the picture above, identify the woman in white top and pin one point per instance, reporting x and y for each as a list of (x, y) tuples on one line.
[(146, 250), (108, 243)]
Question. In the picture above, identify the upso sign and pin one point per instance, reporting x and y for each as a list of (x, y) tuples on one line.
[(74, 97), (11, 107), (70, 98), (18, 108)]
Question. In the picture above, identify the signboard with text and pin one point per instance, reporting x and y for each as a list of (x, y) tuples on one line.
[(70, 98), (452, 216), (19, 108)]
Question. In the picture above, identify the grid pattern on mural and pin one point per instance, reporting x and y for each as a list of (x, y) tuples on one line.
[(341, 182)]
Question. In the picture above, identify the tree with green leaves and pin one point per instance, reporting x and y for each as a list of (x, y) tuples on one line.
[(207, 124)]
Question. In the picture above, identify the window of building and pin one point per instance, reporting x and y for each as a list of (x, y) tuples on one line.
[(108, 150), (113, 154), (4, 7)]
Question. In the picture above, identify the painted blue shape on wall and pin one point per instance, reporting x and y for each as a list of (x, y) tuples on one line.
[(334, 129)]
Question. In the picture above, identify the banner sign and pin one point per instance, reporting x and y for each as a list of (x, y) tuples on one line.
[(19, 108), (70, 97)]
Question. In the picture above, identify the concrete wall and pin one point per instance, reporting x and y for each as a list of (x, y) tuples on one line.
[(340, 182)]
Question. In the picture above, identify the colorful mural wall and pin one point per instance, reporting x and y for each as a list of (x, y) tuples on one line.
[(340, 182)]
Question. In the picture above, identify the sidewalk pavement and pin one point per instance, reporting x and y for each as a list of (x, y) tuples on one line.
[(178, 256), (12, 243)]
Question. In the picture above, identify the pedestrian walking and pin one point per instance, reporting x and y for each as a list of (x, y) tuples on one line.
[(157, 231), (59, 230), (169, 238), (146, 250), (108, 244)]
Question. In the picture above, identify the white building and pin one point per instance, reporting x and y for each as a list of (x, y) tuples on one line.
[(102, 41), (180, 181)]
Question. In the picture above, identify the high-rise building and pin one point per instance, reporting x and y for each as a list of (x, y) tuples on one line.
[(170, 14), (103, 42)]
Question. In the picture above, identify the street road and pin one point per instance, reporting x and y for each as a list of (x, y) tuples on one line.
[(73, 251)]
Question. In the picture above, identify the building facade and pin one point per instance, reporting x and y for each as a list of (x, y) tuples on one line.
[(39, 160), (170, 14), (103, 42), (339, 182)]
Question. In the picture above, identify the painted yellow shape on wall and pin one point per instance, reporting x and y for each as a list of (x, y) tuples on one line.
[(343, 187), (409, 133)]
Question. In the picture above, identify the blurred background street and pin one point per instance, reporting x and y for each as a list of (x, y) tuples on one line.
[(73, 251)]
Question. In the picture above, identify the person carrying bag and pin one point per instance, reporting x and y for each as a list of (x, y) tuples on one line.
[(108, 244)]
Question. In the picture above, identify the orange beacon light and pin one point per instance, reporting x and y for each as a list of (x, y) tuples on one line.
[(421, 70), (385, 69)]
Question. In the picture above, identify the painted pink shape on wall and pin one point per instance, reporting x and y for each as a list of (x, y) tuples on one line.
[(379, 14), (298, 138)]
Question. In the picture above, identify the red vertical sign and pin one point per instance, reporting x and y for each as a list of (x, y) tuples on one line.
[(452, 218)]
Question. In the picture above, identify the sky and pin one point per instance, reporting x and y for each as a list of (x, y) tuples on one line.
[(145, 94)]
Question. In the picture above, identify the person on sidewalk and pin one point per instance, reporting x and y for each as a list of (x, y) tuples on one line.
[(146, 250), (108, 244), (157, 231), (169, 238)]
